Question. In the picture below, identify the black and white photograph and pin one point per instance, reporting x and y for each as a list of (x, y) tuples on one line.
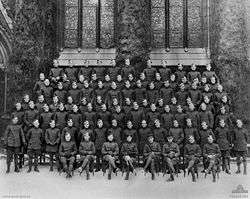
[(124, 99)]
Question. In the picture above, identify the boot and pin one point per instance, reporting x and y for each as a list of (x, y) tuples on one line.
[(16, 169), (214, 176), (87, 177), (8, 168), (171, 178), (127, 175), (193, 176), (29, 170), (109, 176), (238, 169), (245, 168), (36, 169), (153, 175)]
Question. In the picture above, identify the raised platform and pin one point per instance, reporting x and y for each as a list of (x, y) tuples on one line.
[(198, 56), (87, 56)]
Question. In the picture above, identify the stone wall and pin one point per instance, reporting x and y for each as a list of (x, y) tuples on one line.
[(229, 52)]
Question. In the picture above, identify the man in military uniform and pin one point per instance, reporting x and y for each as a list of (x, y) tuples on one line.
[(212, 153), (13, 140), (110, 151), (67, 153), (52, 139), (240, 146), (192, 153), (87, 152), (152, 153), (171, 152), (129, 152)]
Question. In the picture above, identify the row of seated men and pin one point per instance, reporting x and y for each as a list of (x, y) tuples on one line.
[(109, 144)]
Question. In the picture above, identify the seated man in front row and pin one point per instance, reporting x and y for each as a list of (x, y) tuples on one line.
[(212, 153), (151, 152), (129, 151), (171, 153), (192, 153), (87, 151), (110, 151), (67, 152)]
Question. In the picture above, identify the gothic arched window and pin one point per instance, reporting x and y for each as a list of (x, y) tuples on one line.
[(89, 23), (177, 23)]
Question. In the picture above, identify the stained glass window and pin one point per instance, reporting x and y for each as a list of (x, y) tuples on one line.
[(176, 23), (107, 23), (158, 23), (194, 23), (71, 23), (88, 24)]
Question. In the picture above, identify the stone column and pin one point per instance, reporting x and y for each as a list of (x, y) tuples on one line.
[(133, 29)]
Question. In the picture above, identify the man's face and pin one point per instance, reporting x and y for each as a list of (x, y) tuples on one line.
[(189, 122), (18, 106), (166, 84), (110, 137), (210, 139), (176, 123), (222, 123), (42, 76), (15, 120), (129, 125), (46, 82), (81, 78), (70, 123), (74, 85), (36, 123), (31, 105), (75, 109), (157, 124), (167, 109), (100, 123), (127, 62), (86, 124), (114, 123), (70, 100), (151, 139), (204, 125), (144, 124), (208, 67), (61, 107), (191, 139), (52, 124), (46, 108), (239, 123), (158, 76), (67, 137), (55, 99), (170, 139), (135, 105), (26, 98), (129, 138)]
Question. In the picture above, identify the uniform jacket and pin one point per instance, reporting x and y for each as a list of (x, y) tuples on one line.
[(35, 138), (110, 148), (14, 136), (87, 148)]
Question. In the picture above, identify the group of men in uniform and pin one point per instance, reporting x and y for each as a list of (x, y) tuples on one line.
[(163, 116)]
